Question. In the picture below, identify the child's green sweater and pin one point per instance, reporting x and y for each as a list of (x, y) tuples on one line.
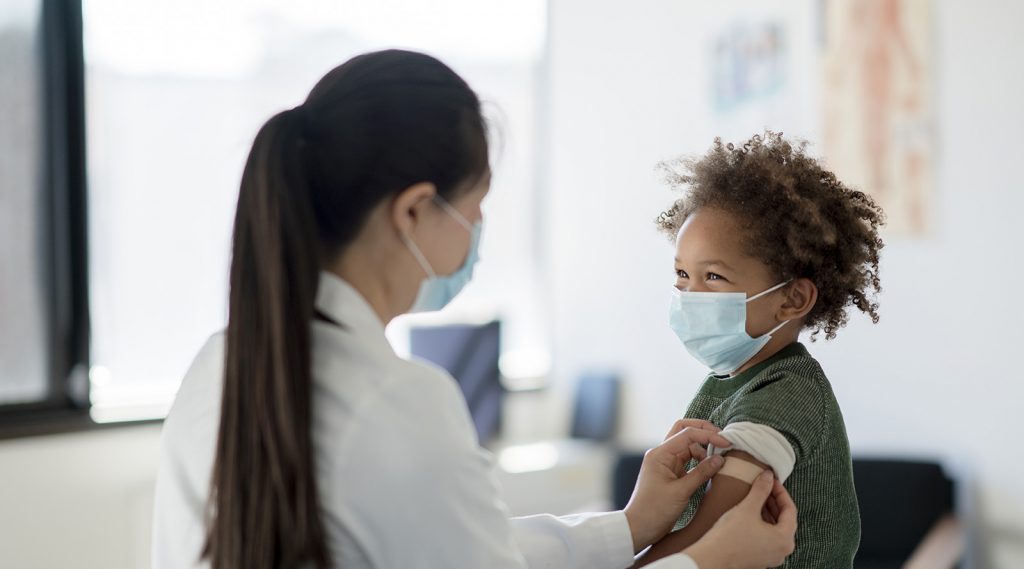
[(790, 393)]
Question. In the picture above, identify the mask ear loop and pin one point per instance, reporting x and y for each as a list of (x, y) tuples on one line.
[(422, 260), (411, 245), (769, 291), (777, 328), (450, 210)]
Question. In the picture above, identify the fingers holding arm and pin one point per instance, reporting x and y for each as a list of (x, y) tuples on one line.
[(663, 487), (764, 544), (681, 443), (692, 423)]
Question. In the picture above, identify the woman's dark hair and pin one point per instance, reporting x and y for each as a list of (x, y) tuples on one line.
[(372, 127), (799, 220)]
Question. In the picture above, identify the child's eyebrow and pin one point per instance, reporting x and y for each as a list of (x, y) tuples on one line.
[(712, 262), (717, 262)]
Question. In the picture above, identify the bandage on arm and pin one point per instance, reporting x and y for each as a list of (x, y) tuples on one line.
[(726, 490), (755, 448), (740, 469), (765, 444)]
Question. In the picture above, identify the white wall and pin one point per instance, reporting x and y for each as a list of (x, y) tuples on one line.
[(627, 87), (78, 500)]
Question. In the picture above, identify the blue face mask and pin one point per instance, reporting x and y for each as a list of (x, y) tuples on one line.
[(713, 327), (436, 291)]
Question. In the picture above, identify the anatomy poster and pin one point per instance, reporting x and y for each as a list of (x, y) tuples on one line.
[(878, 124)]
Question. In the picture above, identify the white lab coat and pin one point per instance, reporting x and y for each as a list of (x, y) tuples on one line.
[(402, 480)]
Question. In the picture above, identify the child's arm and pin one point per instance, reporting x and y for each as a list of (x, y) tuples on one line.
[(724, 493)]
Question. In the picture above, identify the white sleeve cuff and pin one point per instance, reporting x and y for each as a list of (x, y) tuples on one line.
[(596, 541), (592, 541), (620, 536), (763, 443), (617, 538)]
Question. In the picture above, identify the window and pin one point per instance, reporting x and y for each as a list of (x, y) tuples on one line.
[(176, 92), (43, 314), (23, 358)]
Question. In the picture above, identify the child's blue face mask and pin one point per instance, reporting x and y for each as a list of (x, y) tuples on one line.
[(436, 291), (713, 327)]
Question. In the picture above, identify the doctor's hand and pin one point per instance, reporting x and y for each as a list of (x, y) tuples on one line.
[(742, 538), (664, 486)]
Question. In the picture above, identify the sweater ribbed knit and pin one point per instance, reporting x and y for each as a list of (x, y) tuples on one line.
[(790, 393)]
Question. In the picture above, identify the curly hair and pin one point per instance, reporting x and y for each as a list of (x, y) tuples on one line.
[(800, 220)]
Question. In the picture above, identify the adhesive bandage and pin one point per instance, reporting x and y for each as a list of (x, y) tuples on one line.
[(741, 469)]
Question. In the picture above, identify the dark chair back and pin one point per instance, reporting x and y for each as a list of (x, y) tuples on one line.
[(624, 475), (899, 502)]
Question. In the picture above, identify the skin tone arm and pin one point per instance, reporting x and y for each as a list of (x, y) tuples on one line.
[(724, 493), (664, 487), (763, 543)]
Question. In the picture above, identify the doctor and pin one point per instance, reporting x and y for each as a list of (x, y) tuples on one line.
[(298, 437)]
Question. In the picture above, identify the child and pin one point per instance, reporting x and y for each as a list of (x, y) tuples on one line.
[(769, 243)]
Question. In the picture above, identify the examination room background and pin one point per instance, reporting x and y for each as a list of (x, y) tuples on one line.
[(603, 91)]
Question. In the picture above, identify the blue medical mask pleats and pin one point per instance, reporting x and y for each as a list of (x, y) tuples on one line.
[(713, 327)]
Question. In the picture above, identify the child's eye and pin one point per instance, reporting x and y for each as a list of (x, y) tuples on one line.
[(715, 277), (682, 274)]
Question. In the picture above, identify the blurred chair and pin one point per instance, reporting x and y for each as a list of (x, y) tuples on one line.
[(470, 353), (907, 516), (596, 412), (624, 474), (906, 510)]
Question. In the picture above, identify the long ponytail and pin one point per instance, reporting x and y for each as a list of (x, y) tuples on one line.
[(370, 128), (265, 512)]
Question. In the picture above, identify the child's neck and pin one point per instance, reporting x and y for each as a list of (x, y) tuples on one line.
[(774, 346)]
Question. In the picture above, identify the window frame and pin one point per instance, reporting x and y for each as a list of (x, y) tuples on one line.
[(64, 216)]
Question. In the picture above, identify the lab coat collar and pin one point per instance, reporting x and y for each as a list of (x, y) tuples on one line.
[(345, 306)]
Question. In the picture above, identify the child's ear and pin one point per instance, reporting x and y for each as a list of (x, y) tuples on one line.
[(801, 294)]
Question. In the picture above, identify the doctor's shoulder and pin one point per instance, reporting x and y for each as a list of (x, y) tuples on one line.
[(428, 392), (203, 381), (429, 381)]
